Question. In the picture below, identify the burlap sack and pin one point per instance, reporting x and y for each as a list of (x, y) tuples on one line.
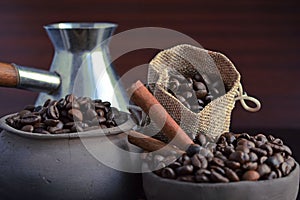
[(214, 119)]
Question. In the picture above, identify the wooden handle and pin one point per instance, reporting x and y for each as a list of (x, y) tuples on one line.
[(8, 75)]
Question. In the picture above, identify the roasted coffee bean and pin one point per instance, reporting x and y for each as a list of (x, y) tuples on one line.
[(270, 138), (30, 119), (27, 128), (262, 159), (252, 157), (267, 148), (207, 153), (273, 161), (218, 169), (251, 175), (272, 175), (199, 161), (202, 178), (168, 173), (193, 149), (185, 170), (188, 178), (242, 148), (239, 156), (285, 168), (217, 161), (219, 155), (287, 150), (230, 138), (277, 141), (250, 166), (51, 122), (216, 177), (263, 169), (278, 173), (23, 113), (231, 175), (259, 152), (29, 107), (75, 114), (232, 164), (203, 171), (262, 138), (91, 114), (200, 139), (174, 165), (53, 112), (290, 161)]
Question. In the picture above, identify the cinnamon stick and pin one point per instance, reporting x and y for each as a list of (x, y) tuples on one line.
[(142, 97), (150, 144)]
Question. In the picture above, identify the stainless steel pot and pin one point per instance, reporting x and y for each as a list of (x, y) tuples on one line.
[(48, 167)]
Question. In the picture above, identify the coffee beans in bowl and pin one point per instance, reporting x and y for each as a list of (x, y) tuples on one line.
[(69, 114), (238, 166)]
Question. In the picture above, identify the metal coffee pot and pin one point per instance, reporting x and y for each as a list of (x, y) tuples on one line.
[(81, 65)]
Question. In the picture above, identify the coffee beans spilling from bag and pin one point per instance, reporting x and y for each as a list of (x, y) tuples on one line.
[(235, 157), (69, 114), (192, 92)]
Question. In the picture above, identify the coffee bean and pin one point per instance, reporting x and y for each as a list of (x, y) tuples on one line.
[(75, 114), (231, 175), (174, 165), (51, 122), (291, 161), (185, 170), (267, 148), (232, 164), (188, 178), (24, 113), (29, 107), (272, 175), (259, 152), (262, 159), (239, 156), (199, 161), (263, 169), (287, 150), (242, 148), (202, 178), (218, 161), (250, 166), (217, 169), (30, 119), (273, 162), (252, 157), (251, 175), (53, 112), (27, 128), (168, 173), (262, 138), (285, 168), (193, 149), (200, 139), (216, 177)]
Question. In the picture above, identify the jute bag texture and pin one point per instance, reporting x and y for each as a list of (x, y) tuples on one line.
[(215, 118)]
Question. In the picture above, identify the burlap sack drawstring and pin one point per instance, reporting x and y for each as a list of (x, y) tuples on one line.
[(242, 96)]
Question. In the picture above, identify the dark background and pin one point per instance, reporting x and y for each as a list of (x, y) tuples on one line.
[(262, 38)]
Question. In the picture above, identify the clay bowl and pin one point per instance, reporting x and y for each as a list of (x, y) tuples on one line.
[(286, 188), (37, 166)]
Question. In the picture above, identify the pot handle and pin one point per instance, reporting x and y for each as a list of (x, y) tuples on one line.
[(12, 75)]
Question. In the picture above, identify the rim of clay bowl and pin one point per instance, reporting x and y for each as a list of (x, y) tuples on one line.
[(192, 184), (126, 126)]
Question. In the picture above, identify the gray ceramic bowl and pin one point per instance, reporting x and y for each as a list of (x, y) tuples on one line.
[(59, 167), (157, 188)]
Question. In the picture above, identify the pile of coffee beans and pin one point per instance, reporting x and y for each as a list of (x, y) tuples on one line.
[(69, 114), (192, 92), (235, 157)]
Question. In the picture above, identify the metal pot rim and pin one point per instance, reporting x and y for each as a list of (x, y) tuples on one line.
[(128, 125)]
